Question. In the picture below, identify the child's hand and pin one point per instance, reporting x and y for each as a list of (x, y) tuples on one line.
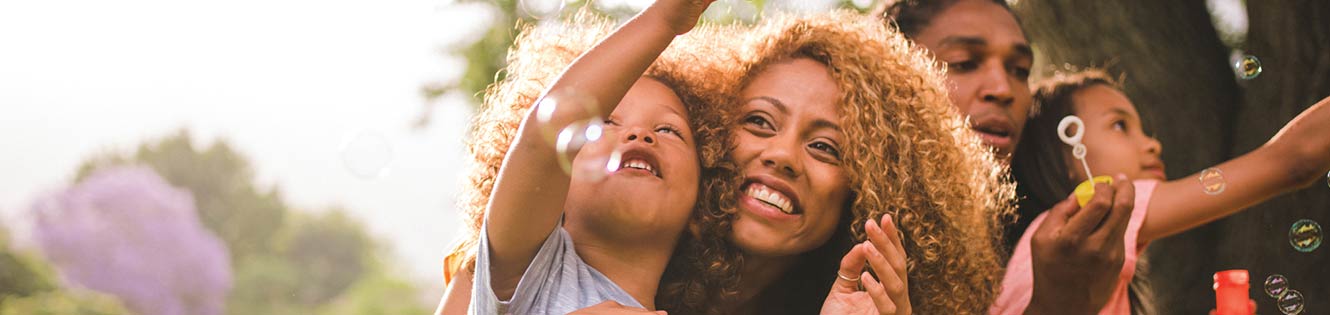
[(612, 307), (1078, 253), (884, 254), (680, 15)]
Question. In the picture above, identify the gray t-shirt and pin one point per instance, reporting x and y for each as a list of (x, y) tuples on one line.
[(556, 282)]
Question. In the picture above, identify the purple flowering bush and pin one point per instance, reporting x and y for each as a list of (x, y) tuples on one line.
[(127, 232)]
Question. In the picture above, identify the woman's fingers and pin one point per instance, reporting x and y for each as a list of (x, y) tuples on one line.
[(883, 301), (847, 277), (894, 285), (888, 242)]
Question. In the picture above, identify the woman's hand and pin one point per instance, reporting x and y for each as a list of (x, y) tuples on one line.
[(612, 307), (886, 255)]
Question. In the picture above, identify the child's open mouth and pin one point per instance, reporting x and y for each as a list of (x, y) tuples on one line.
[(639, 161)]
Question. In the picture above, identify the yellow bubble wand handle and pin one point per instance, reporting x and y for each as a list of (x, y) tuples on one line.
[(1085, 190)]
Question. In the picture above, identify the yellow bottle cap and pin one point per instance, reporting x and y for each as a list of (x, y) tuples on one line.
[(1086, 189)]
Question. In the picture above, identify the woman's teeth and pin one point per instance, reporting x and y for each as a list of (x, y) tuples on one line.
[(772, 197), (641, 165)]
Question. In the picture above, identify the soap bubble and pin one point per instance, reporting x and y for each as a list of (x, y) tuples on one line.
[(1212, 181), (579, 105), (1305, 235), (1247, 67), (541, 9), (1276, 285), (862, 4), (573, 137), (1291, 303), (366, 154)]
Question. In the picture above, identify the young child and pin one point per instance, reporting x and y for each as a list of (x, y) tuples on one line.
[(1116, 146), (552, 242)]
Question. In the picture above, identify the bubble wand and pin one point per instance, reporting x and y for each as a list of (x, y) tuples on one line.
[(1085, 190)]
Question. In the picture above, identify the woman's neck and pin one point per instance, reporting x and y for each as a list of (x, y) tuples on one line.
[(757, 275), (635, 268)]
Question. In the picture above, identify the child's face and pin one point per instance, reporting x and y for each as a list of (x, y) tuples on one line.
[(787, 146), (1114, 140), (654, 185)]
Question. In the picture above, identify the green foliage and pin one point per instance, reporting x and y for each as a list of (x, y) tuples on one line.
[(330, 250), (222, 181), (62, 302)]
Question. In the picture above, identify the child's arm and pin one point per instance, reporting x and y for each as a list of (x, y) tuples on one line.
[(529, 191), (1294, 158)]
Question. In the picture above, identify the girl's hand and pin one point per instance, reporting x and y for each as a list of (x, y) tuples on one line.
[(886, 255), (680, 15), (612, 307)]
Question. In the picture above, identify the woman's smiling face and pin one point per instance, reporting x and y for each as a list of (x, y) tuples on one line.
[(787, 146)]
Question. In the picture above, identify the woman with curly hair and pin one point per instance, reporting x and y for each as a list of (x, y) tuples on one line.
[(840, 122)]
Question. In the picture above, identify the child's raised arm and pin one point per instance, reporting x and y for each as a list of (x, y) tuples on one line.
[(1294, 158), (529, 191)]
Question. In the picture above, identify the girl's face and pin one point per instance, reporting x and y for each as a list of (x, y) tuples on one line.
[(1114, 140), (653, 186), (788, 146)]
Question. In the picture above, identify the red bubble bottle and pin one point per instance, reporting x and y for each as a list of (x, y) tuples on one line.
[(1231, 287)]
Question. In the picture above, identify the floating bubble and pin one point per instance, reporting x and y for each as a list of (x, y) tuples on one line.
[(1247, 67), (1276, 285), (1212, 181), (862, 4), (366, 154), (579, 105), (573, 137), (1305, 235), (541, 9), (1290, 303)]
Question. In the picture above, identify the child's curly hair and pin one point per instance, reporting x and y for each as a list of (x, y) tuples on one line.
[(539, 55), (907, 153)]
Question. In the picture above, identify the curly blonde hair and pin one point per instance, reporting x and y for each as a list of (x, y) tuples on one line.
[(907, 153), (539, 55)]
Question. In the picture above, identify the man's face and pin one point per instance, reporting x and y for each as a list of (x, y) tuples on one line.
[(988, 64)]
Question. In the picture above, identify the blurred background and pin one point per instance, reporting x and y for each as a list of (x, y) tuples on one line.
[(303, 157)]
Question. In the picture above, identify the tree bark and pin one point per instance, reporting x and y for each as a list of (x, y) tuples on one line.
[(1292, 40)]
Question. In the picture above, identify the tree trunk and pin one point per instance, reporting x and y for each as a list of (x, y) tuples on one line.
[(1292, 40)]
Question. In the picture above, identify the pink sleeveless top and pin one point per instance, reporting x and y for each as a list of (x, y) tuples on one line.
[(1018, 284)]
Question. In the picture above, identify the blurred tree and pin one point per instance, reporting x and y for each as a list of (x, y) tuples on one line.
[(20, 275), (222, 182), (1176, 66), (126, 232), (286, 262), (62, 302), (330, 252)]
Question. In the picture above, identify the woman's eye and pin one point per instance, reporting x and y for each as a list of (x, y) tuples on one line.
[(759, 122), (827, 148)]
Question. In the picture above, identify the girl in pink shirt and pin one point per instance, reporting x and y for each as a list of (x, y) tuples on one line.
[(1046, 171)]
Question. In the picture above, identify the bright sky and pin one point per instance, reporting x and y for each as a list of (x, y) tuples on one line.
[(284, 81)]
